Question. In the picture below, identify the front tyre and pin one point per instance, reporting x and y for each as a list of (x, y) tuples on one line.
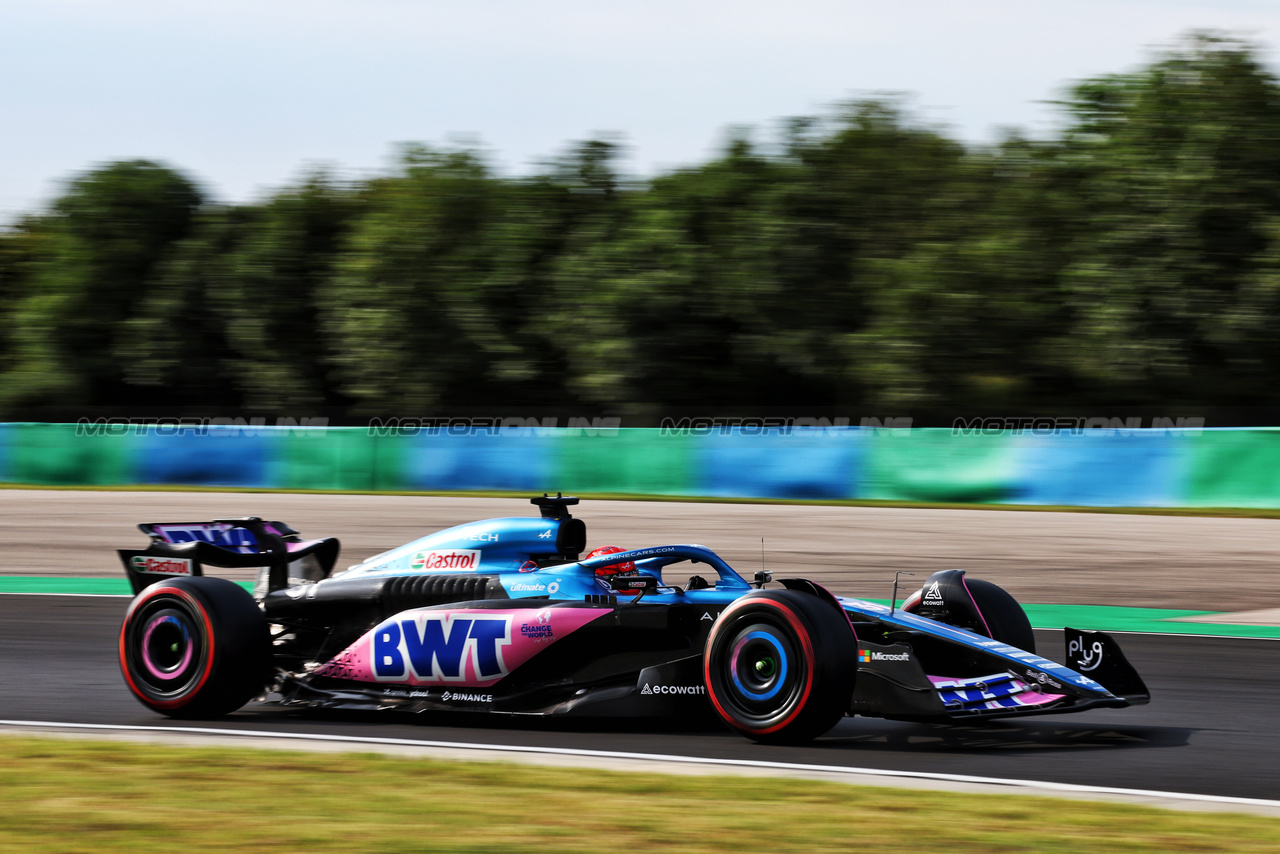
[(978, 606), (780, 666), (1003, 615), (194, 647)]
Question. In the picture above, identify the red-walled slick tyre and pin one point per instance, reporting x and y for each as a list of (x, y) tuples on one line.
[(780, 666), (194, 647)]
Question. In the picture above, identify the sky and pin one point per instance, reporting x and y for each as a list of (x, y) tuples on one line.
[(243, 96)]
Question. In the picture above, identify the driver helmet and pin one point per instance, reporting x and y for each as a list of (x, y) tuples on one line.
[(624, 568)]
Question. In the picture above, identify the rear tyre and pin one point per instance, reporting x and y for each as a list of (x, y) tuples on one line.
[(194, 647), (780, 666)]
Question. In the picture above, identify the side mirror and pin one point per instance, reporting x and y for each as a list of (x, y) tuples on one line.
[(633, 583), (638, 585)]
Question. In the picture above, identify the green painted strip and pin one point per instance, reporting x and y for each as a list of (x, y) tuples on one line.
[(1104, 618), (73, 586), (1110, 618)]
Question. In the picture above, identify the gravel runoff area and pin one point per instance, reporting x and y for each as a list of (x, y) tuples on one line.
[(1202, 563)]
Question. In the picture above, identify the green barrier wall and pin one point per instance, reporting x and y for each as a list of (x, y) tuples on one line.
[(340, 458), (633, 461), (935, 465), (1155, 468), (1233, 468), (53, 454)]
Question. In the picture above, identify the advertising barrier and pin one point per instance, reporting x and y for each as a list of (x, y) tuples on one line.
[(1102, 468)]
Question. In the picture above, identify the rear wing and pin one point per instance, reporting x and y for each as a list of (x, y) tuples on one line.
[(185, 548)]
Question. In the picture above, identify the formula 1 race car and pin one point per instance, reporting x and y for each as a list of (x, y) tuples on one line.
[(507, 617)]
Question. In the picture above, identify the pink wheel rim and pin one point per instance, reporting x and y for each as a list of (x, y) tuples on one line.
[(155, 669)]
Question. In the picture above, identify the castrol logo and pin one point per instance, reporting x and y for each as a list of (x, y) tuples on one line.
[(162, 565), (450, 559)]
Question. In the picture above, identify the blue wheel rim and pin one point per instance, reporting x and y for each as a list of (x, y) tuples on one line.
[(750, 651)]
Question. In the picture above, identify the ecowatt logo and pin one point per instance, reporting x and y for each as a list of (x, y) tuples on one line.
[(674, 689)]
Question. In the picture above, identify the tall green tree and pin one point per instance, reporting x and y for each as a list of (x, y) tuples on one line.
[(445, 295), (971, 318), (106, 236), (865, 262), (269, 294), (21, 246), (1182, 185), (180, 349), (663, 305), (405, 308)]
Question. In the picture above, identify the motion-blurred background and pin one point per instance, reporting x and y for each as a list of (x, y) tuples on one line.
[(867, 259)]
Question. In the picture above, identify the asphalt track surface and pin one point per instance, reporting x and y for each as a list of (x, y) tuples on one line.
[(1210, 728)]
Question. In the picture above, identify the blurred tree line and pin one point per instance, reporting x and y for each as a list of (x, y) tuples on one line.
[(865, 260)]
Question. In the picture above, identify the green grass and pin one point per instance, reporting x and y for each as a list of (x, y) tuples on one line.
[(1235, 512), (86, 796)]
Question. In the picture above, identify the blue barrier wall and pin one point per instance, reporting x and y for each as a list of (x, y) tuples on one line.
[(801, 464), (1106, 467), (1103, 470), (522, 463), (217, 459)]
